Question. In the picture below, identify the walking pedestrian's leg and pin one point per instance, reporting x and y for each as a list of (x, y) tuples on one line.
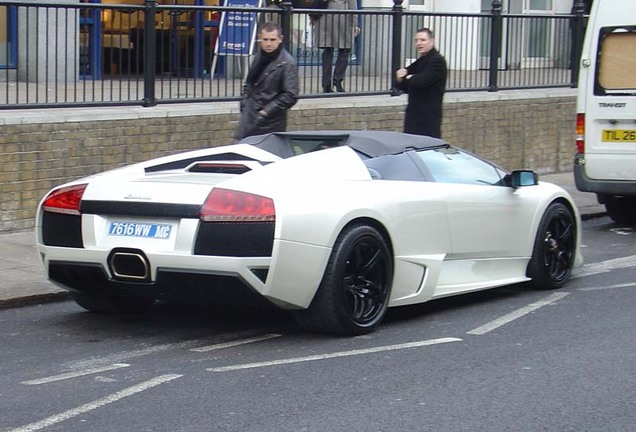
[(327, 62), (342, 61)]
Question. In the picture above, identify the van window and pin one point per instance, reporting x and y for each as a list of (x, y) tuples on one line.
[(616, 62)]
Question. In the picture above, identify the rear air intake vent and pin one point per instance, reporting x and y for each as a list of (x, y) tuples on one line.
[(184, 163), (235, 239), (219, 168)]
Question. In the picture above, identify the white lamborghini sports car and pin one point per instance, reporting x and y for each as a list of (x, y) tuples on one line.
[(334, 225)]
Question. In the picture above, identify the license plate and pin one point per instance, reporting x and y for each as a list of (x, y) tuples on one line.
[(138, 229), (618, 135)]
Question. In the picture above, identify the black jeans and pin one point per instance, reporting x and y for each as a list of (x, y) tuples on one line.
[(342, 61)]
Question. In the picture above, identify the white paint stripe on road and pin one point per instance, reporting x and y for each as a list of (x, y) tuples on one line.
[(127, 355), (235, 343), (334, 355), (605, 266), (82, 409), (625, 285), (516, 314), (75, 374), (122, 357)]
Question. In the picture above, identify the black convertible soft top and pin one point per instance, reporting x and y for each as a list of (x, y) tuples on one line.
[(370, 143)]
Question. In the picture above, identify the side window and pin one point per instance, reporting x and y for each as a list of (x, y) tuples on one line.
[(616, 61), (450, 165), (395, 167)]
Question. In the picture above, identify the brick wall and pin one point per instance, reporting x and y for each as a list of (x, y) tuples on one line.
[(41, 149)]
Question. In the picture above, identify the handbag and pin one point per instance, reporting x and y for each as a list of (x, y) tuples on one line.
[(318, 4)]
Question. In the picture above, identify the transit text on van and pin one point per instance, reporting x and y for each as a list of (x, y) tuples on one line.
[(612, 104)]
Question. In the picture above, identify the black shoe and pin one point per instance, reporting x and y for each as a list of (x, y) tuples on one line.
[(338, 85), (327, 89)]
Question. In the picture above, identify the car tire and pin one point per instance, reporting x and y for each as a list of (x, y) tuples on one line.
[(111, 305), (354, 293), (622, 210), (554, 248)]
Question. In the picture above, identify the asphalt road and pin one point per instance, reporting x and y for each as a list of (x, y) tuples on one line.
[(509, 359)]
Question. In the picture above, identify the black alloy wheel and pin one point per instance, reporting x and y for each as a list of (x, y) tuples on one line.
[(365, 290), (354, 294), (554, 248)]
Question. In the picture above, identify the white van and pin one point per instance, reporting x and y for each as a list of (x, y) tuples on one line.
[(605, 161)]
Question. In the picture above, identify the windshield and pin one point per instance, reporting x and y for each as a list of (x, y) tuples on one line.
[(451, 165)]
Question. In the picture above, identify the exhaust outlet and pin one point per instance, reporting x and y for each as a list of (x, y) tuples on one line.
[(129, 265)]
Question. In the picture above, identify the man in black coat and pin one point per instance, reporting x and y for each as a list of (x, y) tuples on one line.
[(425, 81), (271, 86)]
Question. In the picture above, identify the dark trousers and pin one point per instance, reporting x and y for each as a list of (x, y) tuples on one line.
[(342, 61)]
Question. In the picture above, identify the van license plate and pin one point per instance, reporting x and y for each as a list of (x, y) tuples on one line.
[(619, 135), (136, 229)]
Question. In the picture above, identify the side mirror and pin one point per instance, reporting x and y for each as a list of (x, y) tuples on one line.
[(519, 178)]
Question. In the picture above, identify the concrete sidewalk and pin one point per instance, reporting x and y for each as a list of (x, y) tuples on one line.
[(23, 280)]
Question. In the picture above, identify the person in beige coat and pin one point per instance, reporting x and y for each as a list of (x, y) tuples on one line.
[(336, 31)]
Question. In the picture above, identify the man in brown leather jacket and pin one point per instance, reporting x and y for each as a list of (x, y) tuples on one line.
[(271, 86)]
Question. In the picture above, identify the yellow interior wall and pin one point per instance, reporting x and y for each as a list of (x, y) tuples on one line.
[(162, 2), (3, 25), (116, 21), (127, 2)]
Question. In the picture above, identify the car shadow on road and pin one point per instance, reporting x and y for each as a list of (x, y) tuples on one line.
[(196, 321), (177, 320), (446, 308)]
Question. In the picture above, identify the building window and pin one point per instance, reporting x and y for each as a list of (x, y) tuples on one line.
[(7, 37)]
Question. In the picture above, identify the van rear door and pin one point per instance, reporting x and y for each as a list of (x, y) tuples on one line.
[(610, 108), (605, 161)]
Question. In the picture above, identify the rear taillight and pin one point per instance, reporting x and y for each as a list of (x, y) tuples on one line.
[(65, 200), (580, 133), (224, 205)]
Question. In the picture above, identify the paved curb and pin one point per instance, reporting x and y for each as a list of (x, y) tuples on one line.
[(589, 216), (35, 299)]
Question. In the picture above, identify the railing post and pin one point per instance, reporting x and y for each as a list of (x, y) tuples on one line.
[(495, 45), (397, 13), (285, 23), (150, 53), (577, 40)]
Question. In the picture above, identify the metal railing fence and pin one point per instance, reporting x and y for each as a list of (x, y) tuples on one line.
[(93, 54)]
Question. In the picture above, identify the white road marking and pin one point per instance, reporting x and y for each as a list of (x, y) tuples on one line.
[(127, 355), (625, 285), (235, 343), (124, 356), (622, 231), (334, 355), (82, 409), (517, 314), (75, 374), (605, 266)]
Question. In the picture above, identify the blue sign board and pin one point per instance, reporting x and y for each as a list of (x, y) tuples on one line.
[(238, 28)]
